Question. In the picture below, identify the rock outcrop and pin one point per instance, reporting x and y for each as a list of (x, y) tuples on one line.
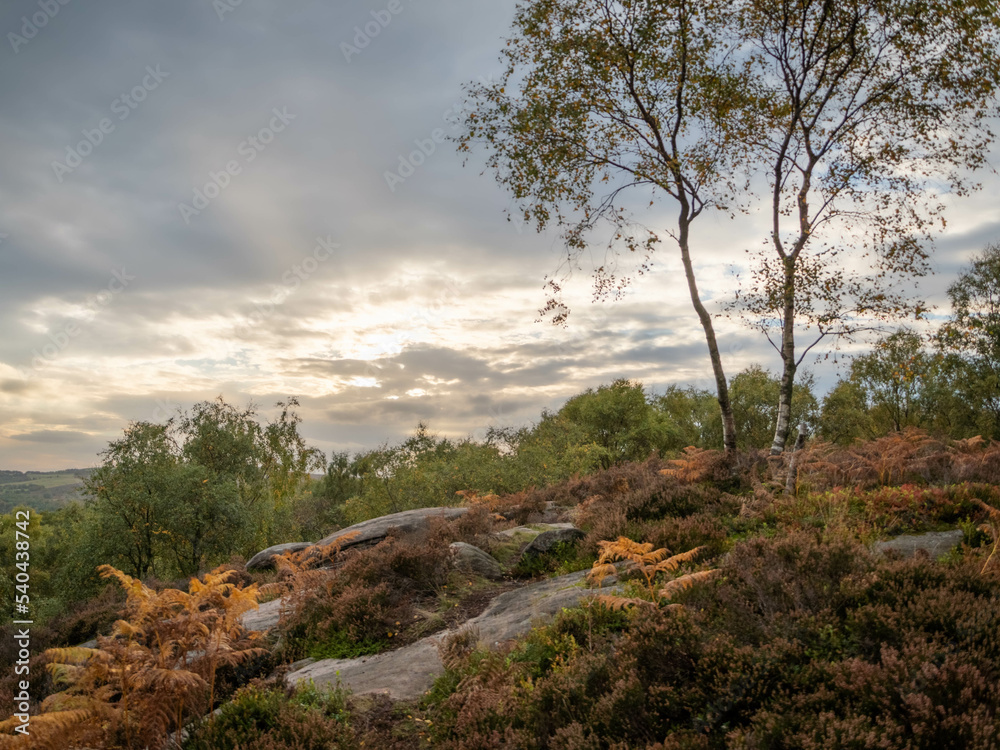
[(408, 522), (368, 533), (471, 559), (408, 672), (934, 543), (545, 542), (264, 559)]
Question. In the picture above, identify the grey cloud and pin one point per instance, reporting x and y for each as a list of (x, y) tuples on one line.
[(433, 267), (51, 436), (15, 387)]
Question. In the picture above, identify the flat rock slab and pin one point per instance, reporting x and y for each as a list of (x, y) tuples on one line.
[(409, 672), (408, 522), (512, 614), (265, 617), (404, 674), (934, 543), (265, 558), (535, 529)]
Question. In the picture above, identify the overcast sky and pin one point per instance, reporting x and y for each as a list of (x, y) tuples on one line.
[(194, 201)]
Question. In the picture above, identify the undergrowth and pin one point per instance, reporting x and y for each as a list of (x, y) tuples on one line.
[(801, 641), (267, 717)]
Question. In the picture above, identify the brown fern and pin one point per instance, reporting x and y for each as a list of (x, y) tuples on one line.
[(641, 557), (617, 603), (696, 465), (156, 669), (685, 582)]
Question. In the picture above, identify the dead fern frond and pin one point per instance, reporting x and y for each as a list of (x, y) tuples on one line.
[(993, 530), (599, 572), (56, 730), (622, 548), (618, 603), (993, 512), (648, 562), (74, 655), (155, 671), (696, 465), (685, 582), (291, 563), (672, 563)]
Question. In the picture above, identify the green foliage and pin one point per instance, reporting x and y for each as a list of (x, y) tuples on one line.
[(621, 422), (564, 557), (754, 393), (973, 332), (263, 717), (426, 471), (845, 415), (895, 377), (176, 497), (693, 414)]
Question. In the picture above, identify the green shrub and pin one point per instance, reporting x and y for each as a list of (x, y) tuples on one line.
[(270, 718)]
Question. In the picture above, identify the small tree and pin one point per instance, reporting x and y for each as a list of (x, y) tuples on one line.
[(896, 378), (620, 421), (866, 112), (127, 491), (197, 488), (854, 111), (973, 332), (599, 97)]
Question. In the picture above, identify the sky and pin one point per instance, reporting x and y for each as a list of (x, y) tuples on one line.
[(256, 199)]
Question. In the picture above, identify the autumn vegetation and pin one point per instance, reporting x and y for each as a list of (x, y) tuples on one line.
[(752, 608), (754, 612), (751, 615)]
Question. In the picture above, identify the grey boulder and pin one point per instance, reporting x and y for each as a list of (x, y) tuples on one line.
[(409, 672), (471, 559), (545, 542), (934, 543), (263, 618), (409, 522), (264, 559)]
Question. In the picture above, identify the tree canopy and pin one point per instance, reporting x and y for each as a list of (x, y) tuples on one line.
[(210, 483), (845, 119)]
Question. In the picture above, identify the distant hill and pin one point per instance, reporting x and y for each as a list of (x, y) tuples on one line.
[(41, 490)]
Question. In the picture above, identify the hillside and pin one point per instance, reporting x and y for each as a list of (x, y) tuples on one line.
[(743, 612), (40, 490)]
